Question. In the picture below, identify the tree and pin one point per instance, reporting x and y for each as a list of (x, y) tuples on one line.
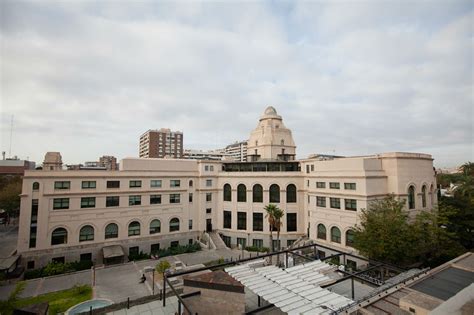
[(10, 194), (161, 268), (274, 215), (467, 169)]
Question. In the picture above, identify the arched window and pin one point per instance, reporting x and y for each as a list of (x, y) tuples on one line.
[(257, 193), (275, 193), (350, 238), (423, 196), (86, 233), (174, 225), (190, 183), (321, 232), (290, 193), (155, 226), (59, 236), (111, 231), (36, 186), (411, 197), (241, 193), (335, 235), (134, 228), (227, 192)]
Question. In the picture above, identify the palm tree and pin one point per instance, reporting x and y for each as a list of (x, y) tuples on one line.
[(274, 215)]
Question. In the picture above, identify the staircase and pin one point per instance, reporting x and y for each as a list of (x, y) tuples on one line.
[(217, 240)]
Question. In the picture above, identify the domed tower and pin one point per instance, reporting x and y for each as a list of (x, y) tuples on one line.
[(271, 140)]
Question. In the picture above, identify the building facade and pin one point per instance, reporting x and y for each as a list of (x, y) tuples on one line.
[(237, 151), (109, 162), (156, 203), (205, 155), (162, 143)]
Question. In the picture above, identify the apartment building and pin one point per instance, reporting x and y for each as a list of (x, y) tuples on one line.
[(237, 151), (205, 155), (156, 203), (162, 143), (109, 162)]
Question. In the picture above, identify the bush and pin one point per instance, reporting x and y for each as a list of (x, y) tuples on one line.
[(139, 256), (56, 268), (176, 250), (257, 249)]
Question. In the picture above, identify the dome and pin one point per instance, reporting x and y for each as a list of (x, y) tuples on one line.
[(270, 111)]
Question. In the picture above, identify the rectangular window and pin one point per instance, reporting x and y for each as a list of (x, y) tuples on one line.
[(60, 203), (351, 204), (175, 183), (334, 185), (241, 242), (291, 222), (174, 244), (133, 251), (208, 210), (155, 199), (190, 197), (321, 254), (112, 201), (88, 184), (87, 202), (241, 220), (211, 168), (321, 202), (30, 264), (155, 183), (257, 243), (290, 242), (85, 257), (227, 240), (335, 203), (62, 185), (175, 198), (312, 167), (208, 182), (32, 243), (208, 197), (190, 224), (320, 185), (154, 248), (135, 184), (258, 221), (307, 168), (113, 184), (227, 219), (34, 211), (350, 186), (206, 168), (351, 264), (134, 200)]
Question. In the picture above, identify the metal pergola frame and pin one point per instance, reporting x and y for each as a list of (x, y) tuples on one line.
[(286, 252)]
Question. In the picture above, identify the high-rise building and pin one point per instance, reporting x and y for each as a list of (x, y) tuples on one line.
[(161, 143), (205, 155), (237, 151), (109, 162)]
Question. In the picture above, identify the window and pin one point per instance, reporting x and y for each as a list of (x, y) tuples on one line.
[(351, 204), (113, 184), (155, 199), (321, 234), (86, 233), (30, 264), (276, 245), (59, 236), (350, 238), (62, 185), (321, 254), (241, 193), (335, 235), (87, 202), (227, 192), (134, 228), (175, 198), (211, 168), (423, 196), (155, 226), (312, 167), (206, 168), (241, 220), (307, 183), (190, 183), (111, 231), (190, 197), (227, 219), (258, 221), (175, 183), (291, 222), (174, 225), (241, 242), (155, 183), (335, 203), (307, 168), (257, 193), (208, 182), (333, 185), (257, 243), (88, 184), (275, 193), (411, 197), (208, 197), (34, 210), (85, 257), (112, 201), (155, 248), (227, 240), (320, 185), (134, 200), (291, 193), (174, 243), (133, 251), (321, 202), (208, 210), (351, 264), (36, 186), (60, 203), (350, 186), (32, 241), (190, 226), (135, 184)]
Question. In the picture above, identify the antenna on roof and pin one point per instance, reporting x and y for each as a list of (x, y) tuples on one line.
[(11, 133)]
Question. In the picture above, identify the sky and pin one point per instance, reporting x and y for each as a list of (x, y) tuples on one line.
[(87, 78)]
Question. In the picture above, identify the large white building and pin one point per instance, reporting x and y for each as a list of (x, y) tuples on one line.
[(156, 203)]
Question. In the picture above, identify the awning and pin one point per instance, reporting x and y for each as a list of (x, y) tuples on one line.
[(8, 262), (112, 251)]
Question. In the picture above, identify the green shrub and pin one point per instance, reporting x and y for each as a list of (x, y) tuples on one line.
[(256, 249), (56, 268), (140, 256)]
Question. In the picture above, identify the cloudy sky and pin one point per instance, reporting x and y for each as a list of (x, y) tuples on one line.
[(86, 78)]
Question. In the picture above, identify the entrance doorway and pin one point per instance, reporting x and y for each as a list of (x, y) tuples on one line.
[(208, 225)]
